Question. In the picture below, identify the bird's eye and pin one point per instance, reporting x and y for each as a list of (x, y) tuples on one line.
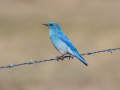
[(51, 24)]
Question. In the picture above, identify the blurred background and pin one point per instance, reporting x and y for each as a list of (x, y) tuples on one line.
[(89, 24)]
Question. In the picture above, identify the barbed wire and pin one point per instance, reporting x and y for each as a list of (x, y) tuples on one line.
[(89, 52)]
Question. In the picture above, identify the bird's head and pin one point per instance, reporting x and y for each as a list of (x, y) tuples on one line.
[(52, 25)]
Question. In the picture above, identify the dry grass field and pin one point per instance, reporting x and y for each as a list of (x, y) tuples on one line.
[(89, 24)]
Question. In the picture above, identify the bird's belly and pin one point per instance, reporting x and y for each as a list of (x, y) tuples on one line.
[(60, 46)]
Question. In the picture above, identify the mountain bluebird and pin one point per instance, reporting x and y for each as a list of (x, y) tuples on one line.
[(62, 43)]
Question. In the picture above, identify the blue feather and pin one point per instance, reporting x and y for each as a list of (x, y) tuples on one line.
[(69, 44)]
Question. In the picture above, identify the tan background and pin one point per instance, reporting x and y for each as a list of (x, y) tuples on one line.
[(89, 24)]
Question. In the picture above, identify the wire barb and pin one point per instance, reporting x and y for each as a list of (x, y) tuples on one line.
[(10, 65), (89, 52), (31, 62), (109, 50)]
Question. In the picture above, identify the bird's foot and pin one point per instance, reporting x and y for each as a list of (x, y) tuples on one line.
[(71, 56), (60, 57)]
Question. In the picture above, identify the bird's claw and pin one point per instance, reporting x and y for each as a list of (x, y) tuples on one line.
[(59, 58), (71, 56)]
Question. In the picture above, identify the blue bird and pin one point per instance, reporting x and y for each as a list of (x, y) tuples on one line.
[(62, 43)]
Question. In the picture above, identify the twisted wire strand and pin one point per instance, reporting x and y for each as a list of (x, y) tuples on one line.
[(89, 52)]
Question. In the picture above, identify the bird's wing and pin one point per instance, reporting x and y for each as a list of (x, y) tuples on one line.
[(63, 37)]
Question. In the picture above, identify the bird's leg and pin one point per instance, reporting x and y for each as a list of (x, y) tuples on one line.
[(60, 57), (71, 56)]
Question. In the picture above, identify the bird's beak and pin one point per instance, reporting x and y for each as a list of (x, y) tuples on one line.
[(45, 24)]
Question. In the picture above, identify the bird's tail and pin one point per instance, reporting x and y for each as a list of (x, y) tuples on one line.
[(82, 59)]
